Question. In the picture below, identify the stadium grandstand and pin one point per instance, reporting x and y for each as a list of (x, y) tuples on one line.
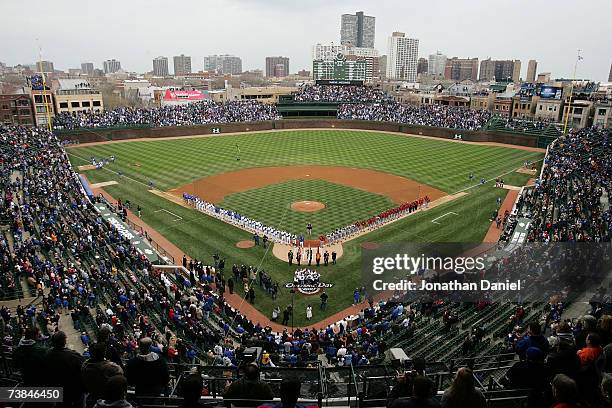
[(95, 306)]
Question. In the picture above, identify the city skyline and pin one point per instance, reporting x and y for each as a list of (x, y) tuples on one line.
[(470, 39)]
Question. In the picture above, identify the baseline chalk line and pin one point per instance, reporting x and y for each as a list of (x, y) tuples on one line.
[(177, 217), (443, 215)]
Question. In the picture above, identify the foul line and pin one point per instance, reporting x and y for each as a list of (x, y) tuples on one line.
[(178, 217), (444, 215)]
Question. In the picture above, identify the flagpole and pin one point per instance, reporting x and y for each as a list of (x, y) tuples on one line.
[(569, 106)]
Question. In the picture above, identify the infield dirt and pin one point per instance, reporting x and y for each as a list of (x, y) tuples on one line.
[(399, 189)]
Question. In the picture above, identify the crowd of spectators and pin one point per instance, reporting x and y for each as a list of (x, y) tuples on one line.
[(522, 125), (145, 318), (196, 113), (577, 353), (341, 94), (566, 203), (423, 115)]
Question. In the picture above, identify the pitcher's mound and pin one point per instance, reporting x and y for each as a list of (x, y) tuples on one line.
[(307, 206), (245, 244)]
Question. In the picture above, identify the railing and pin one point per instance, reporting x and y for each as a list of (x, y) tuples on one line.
[(358, 381), (322, 384), (352, 388)]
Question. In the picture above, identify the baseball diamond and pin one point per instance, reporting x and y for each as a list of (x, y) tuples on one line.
[(355, 174)]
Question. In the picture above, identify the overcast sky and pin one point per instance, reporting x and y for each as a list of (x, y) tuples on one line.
[(136, 31)]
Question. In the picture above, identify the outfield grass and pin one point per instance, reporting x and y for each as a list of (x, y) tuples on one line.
[(441, 164), (170, 163), (517, 179)]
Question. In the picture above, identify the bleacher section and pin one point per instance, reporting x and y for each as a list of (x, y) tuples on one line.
[(546, 133)]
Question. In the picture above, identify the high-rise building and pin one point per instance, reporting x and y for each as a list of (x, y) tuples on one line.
[(382, 66), (182, 65), (461, 69), (422, 65), (87, 68), (437, 63), (532, 66), (498, 70), (339, 69), (223, 64), (372, 68), (610, 74), (402, 56), (487, 70), (357, 30), (516, 72), (160, 66), (44, 66), (504, 70), (111, 66), (273, 69)]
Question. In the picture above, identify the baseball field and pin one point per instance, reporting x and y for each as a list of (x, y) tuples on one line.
[(277, 177)]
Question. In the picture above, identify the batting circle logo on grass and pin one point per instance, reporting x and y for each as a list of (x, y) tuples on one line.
[(307, 282)]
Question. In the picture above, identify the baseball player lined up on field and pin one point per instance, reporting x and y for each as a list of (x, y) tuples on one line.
[(378, 220), (288, 238), (235, 218)]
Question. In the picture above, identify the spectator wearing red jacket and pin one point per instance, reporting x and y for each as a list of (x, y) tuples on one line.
[(592, 351)]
